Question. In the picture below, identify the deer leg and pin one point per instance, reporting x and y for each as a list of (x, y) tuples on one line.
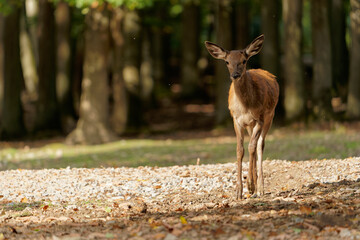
[(260, 150), (239, 155), (252, 179)]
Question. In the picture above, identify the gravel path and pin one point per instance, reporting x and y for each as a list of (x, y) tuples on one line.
[(153, 184)]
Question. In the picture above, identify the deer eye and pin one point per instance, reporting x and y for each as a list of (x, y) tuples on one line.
[(227, 63), (244, 61)]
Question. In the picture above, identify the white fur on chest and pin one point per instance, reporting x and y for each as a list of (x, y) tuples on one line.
[(241, 115)]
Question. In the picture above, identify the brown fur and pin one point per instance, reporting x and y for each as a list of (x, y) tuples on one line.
[(258, 91)]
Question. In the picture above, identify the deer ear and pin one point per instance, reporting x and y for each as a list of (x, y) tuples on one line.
[(215, 50), (255, 46)]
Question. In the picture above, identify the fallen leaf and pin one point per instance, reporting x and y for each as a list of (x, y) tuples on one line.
[(311, 226), (249, 234), (247, 195), (179, 209), (44, 208), (159, 236), (109, 235), (187, 227), (108, 209), (177, 232), (24, 200), (157, 186), (183, 220), (154, 224), (305, 209), (219, 231)]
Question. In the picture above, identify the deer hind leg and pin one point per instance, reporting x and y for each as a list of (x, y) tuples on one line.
[(239, 155), (252, 179), (260, 150)]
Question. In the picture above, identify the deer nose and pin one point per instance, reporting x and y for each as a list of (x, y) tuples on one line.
[(235, 75)]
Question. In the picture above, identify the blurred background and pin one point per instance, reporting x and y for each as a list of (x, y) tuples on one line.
[(95, 70)]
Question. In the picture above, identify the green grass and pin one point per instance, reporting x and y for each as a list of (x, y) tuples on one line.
[(132, 153)]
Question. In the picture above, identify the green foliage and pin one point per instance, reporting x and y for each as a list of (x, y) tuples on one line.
[(131, 4), (6, 6)]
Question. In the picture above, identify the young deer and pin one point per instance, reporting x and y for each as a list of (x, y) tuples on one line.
[(253, 96)]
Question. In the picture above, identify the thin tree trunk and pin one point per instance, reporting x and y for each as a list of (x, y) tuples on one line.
[(63, 80), (223, 31), (12, 118), (339, 49), (190, 50), (120, 108), (322, 62), (294, 99), (47, 108), (77, 71), (242, 23), (131, 70), (1, 65), (146, 72), (353, 105), (32, 13), (28, 61), (93, 124), (270, 54), (158, 49)]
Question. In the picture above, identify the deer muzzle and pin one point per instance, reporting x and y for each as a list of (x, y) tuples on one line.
[(235, 75)]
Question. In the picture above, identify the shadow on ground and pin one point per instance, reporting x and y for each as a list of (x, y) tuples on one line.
[(318, 210)]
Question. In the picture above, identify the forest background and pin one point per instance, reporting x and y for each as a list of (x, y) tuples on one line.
[(94, 70)]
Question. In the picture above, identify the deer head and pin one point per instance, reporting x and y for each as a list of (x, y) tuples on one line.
[(236, 59)]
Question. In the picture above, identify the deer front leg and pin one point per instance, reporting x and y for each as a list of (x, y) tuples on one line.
[(252, 179), (239, 155)]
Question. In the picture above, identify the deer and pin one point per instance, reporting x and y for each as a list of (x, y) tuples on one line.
[(253, 96)]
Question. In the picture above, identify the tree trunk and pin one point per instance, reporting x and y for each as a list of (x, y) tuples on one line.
[(93, 124), (158, 50), (293, 67), (223, 34), (47, 108), (131, 70), (322, 62), (32, 13), (190, 50), (28, 62), (146, 73), (12, 118), (340, 55), (2, 18), (270, 54), (242, 23), (120, 107), (63, 80), (353, 105)]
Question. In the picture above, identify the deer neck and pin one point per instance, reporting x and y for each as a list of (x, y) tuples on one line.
[(244, 90)]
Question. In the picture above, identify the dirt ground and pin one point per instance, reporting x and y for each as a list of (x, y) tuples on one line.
[(293, 208)]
